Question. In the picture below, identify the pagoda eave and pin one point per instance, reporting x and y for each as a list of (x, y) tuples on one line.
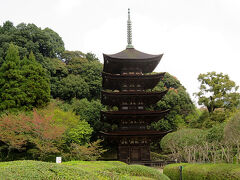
[(116, 98), (116, 81), (135, 133), (136, 113), (117, 116)]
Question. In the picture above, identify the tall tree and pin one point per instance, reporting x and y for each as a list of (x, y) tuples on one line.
[(23, 83), (177, 100), (217, 91), (35, 83), (11, 78)]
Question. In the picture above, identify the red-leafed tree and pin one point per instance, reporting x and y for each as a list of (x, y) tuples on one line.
[(19, 132)]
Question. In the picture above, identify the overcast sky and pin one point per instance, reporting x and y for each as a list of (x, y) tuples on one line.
[(196, 36)]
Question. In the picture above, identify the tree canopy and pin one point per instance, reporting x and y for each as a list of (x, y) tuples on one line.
[(23, 83), (29, 37), (217, 91), (178, 101)]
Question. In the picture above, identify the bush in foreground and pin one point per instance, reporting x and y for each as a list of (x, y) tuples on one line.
[(203, 171), (92, 170)]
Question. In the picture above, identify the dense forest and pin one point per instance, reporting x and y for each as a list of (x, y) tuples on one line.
[(50, 105)]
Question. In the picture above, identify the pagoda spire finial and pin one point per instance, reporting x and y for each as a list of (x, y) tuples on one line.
[(129, 31)]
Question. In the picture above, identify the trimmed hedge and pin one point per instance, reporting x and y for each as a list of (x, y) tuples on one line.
[(203, 171), (90, 170), (139, 170), (26, 170)]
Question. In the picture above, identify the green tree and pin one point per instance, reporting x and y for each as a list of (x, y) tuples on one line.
[(91, 73), (29, 37), (35, 83), (217, 91), (77, 129), (177, 100), (55, 43), (11, 95), (91, 57), (88, 67), (24, 83), (89, 111), (72, 86)]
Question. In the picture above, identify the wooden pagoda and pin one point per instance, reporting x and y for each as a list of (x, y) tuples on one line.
[(126, 79)]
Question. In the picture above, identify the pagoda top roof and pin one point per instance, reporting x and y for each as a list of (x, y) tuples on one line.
[(132, 54)]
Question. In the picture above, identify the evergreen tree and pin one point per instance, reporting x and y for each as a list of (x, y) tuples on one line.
[(35, 83), (11, 95), (23, 83)]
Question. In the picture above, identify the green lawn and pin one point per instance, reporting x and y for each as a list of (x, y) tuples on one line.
[(77, 170)]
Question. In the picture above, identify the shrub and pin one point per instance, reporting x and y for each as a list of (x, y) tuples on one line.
[(92, 170), (158, 157), (185, 144), (91, 151), (203, 171), (172, 170), (138, 170), (182, 138), (26, 170)]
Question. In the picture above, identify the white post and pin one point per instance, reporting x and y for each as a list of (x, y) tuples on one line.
[(58, 159)]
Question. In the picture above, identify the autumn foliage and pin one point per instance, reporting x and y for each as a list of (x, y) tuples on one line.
[(20, 132), (47, 133)]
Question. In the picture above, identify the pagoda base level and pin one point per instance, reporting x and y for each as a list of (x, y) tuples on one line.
[(133, 154)]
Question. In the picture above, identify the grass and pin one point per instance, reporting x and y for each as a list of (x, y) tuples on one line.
[(94, 170)]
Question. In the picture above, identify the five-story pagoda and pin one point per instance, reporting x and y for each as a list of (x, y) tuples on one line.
[(126, 79)]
